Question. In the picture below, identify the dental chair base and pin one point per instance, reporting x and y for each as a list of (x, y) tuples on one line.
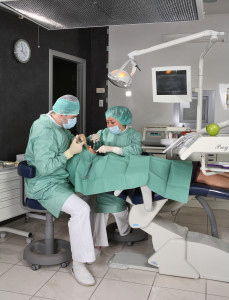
[(136, 235), (177, 251)]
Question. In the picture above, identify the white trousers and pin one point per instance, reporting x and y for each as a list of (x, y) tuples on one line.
[(79, 226), (100, 223)]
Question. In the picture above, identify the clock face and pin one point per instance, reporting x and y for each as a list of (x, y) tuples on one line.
[(22, 51)]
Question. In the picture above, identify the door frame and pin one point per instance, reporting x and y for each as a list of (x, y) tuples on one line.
[(81, 83)]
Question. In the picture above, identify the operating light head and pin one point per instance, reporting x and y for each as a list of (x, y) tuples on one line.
[(121, 77)]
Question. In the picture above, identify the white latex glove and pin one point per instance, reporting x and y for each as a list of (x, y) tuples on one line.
[(75, 148), (106, 149), (95, 137)]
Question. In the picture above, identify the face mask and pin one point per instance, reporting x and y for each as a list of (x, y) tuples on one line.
[(71, 123), (115, 129)]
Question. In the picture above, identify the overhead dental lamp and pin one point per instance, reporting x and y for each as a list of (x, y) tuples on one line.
[(121, 78)]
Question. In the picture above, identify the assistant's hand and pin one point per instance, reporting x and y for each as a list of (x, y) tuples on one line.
[(75, 148), (95, 137), (106, 149)]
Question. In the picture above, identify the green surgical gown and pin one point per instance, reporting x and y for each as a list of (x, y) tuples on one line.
[(46, 145), (130, 141)]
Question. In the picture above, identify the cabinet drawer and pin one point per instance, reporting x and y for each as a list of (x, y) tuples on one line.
[(9, 175), (11, 211), (5, 195), (10, 202), (9, 185)]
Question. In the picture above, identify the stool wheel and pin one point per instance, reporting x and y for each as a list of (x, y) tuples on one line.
[(129, 243), (64, 264), (3, 235), (35, 267)]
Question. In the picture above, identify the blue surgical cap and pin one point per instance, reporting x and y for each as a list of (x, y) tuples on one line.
[(67, 105), (120, 113)]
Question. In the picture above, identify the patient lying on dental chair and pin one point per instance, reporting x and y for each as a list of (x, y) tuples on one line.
[(93, 174)]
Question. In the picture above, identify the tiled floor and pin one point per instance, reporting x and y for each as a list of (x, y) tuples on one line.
[(19, 282)]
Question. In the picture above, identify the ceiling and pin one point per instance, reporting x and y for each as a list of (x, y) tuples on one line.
[(67, 14)]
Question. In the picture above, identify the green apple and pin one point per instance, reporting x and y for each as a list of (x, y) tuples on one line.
[(212, 129)]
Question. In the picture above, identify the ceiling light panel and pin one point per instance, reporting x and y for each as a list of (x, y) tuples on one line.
[(67, 14)]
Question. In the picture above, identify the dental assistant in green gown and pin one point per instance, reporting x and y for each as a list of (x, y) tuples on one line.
[(49, 148), (123, 141)]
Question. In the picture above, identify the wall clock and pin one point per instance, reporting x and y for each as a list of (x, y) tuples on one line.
[(22, 51)]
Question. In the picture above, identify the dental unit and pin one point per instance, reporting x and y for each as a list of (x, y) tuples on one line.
[(176, 250)]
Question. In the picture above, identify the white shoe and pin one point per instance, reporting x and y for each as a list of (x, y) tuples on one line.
[(82, 275)]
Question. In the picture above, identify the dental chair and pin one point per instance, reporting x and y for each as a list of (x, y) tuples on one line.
[(49, 251), (176, 251)]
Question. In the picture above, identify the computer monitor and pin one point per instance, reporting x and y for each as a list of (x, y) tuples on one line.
[(185, 115), (172, 84)]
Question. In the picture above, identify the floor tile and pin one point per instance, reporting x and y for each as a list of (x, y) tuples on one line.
[(10, 253), (158, 293), (4, 268), (39, 298), (217, 288), (64, 286), (113, 290), (192, 210), (212, 297), (168, 216), (180, 283), (222, 221), (190, 218), (221, 213), (131, 275), (197, 228), (13, 296), (23, 280)]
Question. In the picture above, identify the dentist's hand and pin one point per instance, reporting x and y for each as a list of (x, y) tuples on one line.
[(82, 138), (75, 148)]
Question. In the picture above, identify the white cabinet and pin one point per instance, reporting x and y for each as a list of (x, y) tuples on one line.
[(9, 194)]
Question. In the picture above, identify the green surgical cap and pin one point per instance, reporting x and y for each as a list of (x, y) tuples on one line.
[(67, 105), (120, 113)]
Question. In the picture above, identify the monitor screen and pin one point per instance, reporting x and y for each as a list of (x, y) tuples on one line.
[(171, 84)]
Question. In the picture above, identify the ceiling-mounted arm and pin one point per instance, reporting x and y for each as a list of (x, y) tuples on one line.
[(125, 81), (214, 35)]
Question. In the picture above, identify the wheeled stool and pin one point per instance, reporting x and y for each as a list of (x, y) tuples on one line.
[(49, 251)]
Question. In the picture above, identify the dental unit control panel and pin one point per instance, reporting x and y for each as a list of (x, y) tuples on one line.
[(157, 137)]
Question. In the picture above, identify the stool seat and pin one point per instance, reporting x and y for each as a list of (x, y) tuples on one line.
[(33, 204)]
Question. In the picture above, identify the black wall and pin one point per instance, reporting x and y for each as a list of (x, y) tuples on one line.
[(24, 88)]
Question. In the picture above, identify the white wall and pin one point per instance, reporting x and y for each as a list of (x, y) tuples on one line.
[(126, 38)]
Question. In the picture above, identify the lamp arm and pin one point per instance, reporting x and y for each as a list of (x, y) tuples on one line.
[(182, 40)]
